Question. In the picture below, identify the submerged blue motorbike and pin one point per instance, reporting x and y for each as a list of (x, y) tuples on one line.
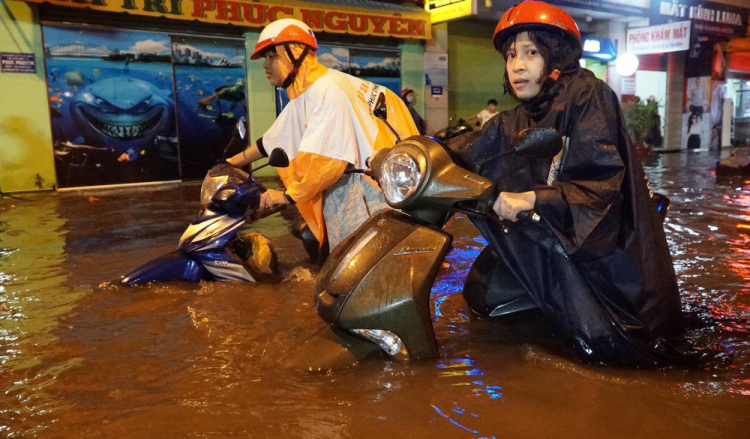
[(210, 248)]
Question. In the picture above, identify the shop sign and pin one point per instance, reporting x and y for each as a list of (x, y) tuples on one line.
[(446, 10), (436, 68), (436, 91), (319, 16), (709, 18), (628, 86), (633, 8), (17, 62), (604, 49), (620, 7), (672, 37)]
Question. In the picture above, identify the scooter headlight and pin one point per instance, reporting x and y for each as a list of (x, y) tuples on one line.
[(210, 186), (401, 177)]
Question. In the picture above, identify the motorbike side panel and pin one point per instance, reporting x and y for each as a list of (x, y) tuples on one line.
[(223, 266), (386, 285), (172, 266), (209, 232), (346, 267)]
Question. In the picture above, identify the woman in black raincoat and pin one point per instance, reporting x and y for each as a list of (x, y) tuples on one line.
[(597, 264)]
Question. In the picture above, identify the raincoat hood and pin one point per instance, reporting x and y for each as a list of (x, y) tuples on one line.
[(309, 71)]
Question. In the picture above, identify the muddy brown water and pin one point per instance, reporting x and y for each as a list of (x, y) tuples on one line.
[(202, 360)]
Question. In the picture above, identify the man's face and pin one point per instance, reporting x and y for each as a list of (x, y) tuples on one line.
[(524, 65), (491, 108), (271, 65)]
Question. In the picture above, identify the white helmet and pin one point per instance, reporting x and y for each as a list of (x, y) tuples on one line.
[(286, 30)]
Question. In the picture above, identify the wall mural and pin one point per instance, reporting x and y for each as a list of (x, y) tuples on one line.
[(111, 105), (211, 95)]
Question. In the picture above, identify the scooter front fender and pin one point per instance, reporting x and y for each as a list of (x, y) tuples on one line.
[(172, 266)]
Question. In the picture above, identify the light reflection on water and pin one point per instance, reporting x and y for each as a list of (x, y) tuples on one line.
[(182, 360)]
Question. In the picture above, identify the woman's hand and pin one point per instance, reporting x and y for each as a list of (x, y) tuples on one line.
[(271, 198), (509, 204)]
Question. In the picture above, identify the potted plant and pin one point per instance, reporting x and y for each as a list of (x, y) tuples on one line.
[(641, 118)]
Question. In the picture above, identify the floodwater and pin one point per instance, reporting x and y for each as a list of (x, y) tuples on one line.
[(202, 360)]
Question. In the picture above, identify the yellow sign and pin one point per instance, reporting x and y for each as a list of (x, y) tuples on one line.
[(445, 10), (319, 16)]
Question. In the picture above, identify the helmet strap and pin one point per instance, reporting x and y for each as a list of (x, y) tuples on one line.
[(552, 78), (296, 63)]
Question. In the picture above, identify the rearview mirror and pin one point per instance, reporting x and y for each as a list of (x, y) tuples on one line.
[(241, 130), (381, 111), (539, 143), (278, 158)]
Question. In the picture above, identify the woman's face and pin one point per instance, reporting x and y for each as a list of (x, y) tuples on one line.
[(271, 65), (524, 65)]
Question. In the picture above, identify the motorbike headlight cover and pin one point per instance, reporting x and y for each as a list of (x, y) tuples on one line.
[(401, 177), (218, 177), (211, 185), (224, 195)]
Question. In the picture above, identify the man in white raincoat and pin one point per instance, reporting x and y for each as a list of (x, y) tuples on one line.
[(327, 127)]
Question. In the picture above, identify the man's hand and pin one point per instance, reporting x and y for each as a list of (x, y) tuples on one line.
[(271, 198), (235, 161), (509, 204)]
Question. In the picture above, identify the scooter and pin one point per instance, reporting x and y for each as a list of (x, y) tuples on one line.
[(736, 165), (376, 284), (210, 248)]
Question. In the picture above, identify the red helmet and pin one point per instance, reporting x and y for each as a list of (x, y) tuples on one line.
[(286, 30), (530, 15)]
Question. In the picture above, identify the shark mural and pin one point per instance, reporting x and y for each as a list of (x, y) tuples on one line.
[(112, 106), (123, 113), (131, 106)]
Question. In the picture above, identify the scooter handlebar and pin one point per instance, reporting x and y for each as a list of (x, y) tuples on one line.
[(529, 216)]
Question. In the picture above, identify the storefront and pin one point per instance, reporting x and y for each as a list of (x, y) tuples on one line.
[(700, 71), (735, 68), (650, 46), (157, 99)]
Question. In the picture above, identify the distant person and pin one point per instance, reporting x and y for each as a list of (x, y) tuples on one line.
[(654, 138), (485, 115), (409, 96)]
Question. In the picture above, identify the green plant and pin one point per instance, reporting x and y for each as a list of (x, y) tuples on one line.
[(640, 118)]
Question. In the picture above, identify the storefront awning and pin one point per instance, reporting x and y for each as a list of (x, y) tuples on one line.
[(367, 18), (736, 45)]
